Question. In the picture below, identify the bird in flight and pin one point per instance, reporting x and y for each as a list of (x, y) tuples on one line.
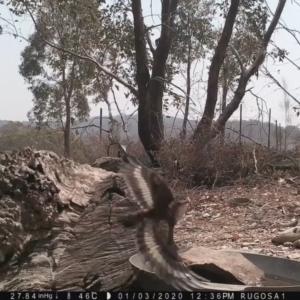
[(152, 195), (155, 220)]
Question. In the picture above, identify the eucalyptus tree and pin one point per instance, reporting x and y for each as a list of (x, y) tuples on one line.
[(148, 87), (61, 82), (246, 40), (251, 15), (57, 80)]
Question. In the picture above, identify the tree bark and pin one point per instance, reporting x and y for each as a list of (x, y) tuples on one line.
[(67, 129), (58, 227), (150, 90), (67, 96), (188, 92), (223, 104), (215, 67)]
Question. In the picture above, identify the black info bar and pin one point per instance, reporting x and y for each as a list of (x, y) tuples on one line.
[(88, 295)]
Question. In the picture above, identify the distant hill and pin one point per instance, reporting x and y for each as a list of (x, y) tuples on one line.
[(252, 129)]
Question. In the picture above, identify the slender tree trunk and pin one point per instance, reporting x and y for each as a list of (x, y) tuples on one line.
[(67, 96), (223, 104), (214, 71), (285, 139), (67, 129), (245, 76), (188, 92)]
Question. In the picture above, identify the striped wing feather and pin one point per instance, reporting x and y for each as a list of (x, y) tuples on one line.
[(146, 187), (166, 263)]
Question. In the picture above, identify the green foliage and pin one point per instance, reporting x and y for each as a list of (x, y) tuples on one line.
[(103, 32), (55, 78), (192, 39), (246, 39), (194, 28), (91, 28), (60, 82)]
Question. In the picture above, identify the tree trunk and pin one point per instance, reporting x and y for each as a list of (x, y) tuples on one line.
[(232, 106), (142, 78), (58, 227), (150, 89), (214, 71), (245, 76), (223, 104), (67, 130), (188, 92), (68, 91)]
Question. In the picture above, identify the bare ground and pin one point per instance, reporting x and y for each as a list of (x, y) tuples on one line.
[(212, 222)]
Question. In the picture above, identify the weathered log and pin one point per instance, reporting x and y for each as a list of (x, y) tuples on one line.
[(290, 235), (58, 228), (107, 163)]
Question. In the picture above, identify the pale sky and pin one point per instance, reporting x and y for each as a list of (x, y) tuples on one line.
[(15, 99)]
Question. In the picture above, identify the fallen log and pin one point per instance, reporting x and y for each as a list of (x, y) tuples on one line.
[(58, 225), (291, 235)]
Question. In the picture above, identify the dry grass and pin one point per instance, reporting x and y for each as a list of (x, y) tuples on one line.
[(219, 162)]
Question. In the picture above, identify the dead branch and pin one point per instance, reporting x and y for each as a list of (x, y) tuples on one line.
[(238, 58), (268, 74), (119, 111)]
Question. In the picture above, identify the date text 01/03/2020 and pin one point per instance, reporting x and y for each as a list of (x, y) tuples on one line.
[(206, 296)]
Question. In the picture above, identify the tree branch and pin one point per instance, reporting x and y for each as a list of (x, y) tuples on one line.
[(215, 67), (267, 73), (168, 10), (84, 57), (263, 51), (178, 87), (238, 58), (143, 75), (244, 78), (149, 41)]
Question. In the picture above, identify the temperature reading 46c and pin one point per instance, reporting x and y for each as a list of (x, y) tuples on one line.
[(86, 296)]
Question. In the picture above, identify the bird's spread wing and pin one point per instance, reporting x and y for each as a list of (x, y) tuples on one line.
[(137, 178), (166, 263), (164, 260)]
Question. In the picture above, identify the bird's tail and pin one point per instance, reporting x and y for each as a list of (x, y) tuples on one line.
[(133, 219)]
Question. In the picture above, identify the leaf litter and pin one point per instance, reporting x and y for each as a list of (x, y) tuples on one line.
[(213, 221)]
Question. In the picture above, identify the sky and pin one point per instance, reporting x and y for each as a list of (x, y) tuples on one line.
[(16, 100)]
